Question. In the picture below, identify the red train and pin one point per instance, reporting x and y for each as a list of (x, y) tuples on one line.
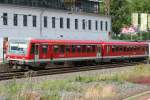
[(41, 52)]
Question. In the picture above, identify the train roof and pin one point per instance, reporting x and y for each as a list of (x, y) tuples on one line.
[(43, 40), (89, 42)]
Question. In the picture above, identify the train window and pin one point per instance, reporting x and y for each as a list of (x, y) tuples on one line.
[(62, 48), (88, 48), (76, 23), (143, 48), (106, 25), (61, 22), (93, 48), (15, 19), (134, 48), (44, 49), (67, 48), (53, 22), (73, 48), (5, 19), (113, 48), (56, 49), (25, 20), (101, 25), (90, 24), (68, 23), (83, 24), (117, 48), (79, 48), (32, 51), (124, 49), (121, 49), (45, 21), (96, 25), (84, 48), (34, 21)]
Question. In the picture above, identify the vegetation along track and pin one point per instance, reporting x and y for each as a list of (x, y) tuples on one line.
[(61, 70)]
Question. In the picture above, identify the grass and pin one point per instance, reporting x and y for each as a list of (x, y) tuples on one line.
[(52, 89)]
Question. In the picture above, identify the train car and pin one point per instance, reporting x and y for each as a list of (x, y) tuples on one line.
[(41, 52), (115, 51)]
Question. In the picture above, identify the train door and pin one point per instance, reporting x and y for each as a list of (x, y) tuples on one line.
[(36, 55), (98, 51)]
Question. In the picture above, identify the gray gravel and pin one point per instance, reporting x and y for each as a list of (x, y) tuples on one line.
[(123, 90)]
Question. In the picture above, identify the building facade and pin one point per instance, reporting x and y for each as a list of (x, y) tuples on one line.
[(30, 21)]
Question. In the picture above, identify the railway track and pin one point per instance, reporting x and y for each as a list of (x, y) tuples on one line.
[(61, 70)]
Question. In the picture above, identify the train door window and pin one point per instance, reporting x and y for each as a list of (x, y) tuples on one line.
[(34, 21), (15, 19), (79, 48), (93, 48), (56, 49), (101, 25), (68, 23), (73, 48), (45, 21), (108, 48), (84, 48), (106, 25), (61, 22), (76, 24), (36, 49), (53, 22), (96, 25), (83, 24), (99, 49), (5, 19), (32, 51), (89, 24), (45, 49), (25, 20)]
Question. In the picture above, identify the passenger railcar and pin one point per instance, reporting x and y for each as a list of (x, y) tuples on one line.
[(41, 52)]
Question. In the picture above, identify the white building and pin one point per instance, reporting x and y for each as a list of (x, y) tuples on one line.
[(25, 21)]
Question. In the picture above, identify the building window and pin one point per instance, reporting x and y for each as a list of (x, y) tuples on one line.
[(34, 21), (61, 22), (45, 21), (89, 23), (96, 25), (53, 22), (83, 24), (24, 20), (5, 19), (68, 23), (76, 23), (106, 25), (15, 19), (101, 25)]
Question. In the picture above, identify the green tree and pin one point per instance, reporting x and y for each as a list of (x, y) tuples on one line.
[(120, 14)]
